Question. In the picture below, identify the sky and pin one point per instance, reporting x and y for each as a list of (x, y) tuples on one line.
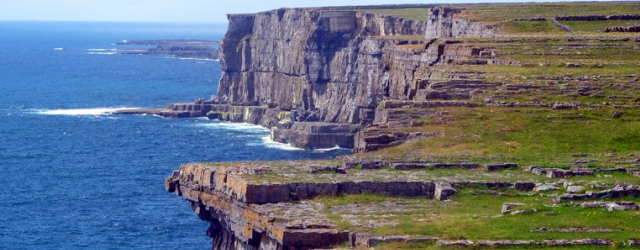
[(209, 11)]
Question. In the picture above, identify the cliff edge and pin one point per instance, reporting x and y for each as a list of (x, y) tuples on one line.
[(316, 76)]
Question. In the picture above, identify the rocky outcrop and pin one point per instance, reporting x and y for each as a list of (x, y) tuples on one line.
[(338, 64), (447, 22), (260, 206), (310, 135), (310, 58), (332, 68), (270, 205), (248, 215)]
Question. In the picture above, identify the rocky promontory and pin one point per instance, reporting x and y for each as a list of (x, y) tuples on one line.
[(181, 48), (327, 68)]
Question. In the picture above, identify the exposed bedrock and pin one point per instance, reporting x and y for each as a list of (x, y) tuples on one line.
[(316, 76), (447, 22), (249, 206), (338, 64), (310, 58), (310, 135), (332, 68)]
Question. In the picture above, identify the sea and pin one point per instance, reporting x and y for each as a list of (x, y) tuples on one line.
[(74, 176)]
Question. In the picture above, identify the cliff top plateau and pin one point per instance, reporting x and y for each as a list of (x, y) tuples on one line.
[(473, 126)]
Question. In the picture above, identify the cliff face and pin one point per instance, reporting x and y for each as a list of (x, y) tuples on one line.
[(316, 76), (324, 60), (444, 22)]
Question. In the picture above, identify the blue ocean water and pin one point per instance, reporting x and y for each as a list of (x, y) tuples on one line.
[(74, 177)]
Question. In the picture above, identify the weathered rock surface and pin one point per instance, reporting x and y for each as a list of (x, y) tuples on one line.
[(310, 58), (338, 65), (310, 135), (333, 68), (446, 22), (249, 207), (245, 215)]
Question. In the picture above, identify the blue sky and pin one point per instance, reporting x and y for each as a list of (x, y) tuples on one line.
[(166, 10)]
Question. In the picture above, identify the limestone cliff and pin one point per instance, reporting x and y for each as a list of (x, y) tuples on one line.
[(331, 66), (315, 59), (446, 22), (248, 204), (316, 76)]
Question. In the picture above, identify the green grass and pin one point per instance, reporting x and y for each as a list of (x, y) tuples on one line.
[(530, 27), (470, 216), (503, 12), (427, 246), (525, 135)]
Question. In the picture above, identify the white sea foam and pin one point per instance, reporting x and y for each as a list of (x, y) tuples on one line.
[(251, 129), (102, 53), (328, 149), (97, 49), (236, 126), (89, 111), (197, 59), (267, 142), (58, 48)]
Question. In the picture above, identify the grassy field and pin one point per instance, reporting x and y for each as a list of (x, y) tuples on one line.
[(506, 12), (525, 135), (474, 215)]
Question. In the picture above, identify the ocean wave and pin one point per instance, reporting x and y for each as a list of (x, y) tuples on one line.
[(322, 150), (267, 142), (236, 126), (100, 49), (102, 53), (194, 58), (77, 112)]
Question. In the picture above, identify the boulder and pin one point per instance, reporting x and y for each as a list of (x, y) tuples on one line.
[(575, 189), (507, 207), (443, 191)]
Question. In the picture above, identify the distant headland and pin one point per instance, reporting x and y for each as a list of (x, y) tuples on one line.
[(181, 48)]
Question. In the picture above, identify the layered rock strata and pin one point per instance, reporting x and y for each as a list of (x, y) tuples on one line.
[(333, 68), (337, 64), (271, 205), (249, 205)]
